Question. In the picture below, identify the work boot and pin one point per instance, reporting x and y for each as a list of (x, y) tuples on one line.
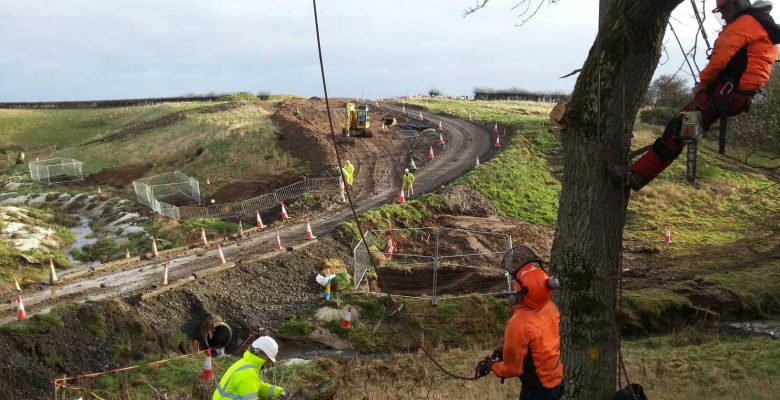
[(625, 178)]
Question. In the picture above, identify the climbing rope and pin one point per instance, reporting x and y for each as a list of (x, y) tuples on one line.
[(352, 205)]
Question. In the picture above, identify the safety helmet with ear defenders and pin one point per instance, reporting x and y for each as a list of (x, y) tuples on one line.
[(533, 286)]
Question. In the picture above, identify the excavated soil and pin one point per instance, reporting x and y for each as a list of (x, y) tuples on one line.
[(118, 177), (247, 189), (453, 281)]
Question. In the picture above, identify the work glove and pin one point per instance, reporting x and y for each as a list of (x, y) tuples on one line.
[(284, 395), (483, 368), (498, 354)]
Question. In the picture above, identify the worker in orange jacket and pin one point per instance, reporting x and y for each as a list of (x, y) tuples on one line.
[(532, 340), (739, 66)]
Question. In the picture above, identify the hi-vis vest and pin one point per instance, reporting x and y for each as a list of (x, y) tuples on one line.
[(239, 385)]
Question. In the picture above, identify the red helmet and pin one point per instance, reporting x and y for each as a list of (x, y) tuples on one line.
[(537, 285)]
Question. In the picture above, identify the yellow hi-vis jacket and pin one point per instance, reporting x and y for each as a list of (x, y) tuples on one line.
[(242, 381), (349, 168), (408, 179)]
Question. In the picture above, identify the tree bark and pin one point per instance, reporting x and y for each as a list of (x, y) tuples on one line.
[(587, 248)]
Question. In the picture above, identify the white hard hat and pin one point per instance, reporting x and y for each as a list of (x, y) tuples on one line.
[(268, 345), (348, 162), (406, 170)]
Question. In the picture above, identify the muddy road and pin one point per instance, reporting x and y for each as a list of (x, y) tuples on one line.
[(377, 182)]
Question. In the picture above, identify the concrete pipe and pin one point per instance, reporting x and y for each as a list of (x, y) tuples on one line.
[(216, 333)]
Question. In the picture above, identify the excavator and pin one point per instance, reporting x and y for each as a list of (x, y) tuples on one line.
[(356, 122)]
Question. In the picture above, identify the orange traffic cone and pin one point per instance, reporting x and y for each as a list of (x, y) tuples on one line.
[(100, 193), (495, 127), (207, 374), (155, 254), (221, 255), (16, 285), (165, 273), (284, 212), (208, 183), (48, 234), (278, 241), (477, 161), (127, 253), (240, 229), (346, 322), (668, 235), (498, 141), (20, 313), (389, 249), (401, 198), (52, 273), (440, 128), (258, 221), (309, 235), (441, 139), (430, 154), (421, 117)]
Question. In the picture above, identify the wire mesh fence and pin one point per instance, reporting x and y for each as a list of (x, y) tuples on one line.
[(56, 170), (162, 193), (432, 262)]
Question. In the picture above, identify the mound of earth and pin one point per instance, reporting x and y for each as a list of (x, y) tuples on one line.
[(119, 177), (247, 189), (463, 200), (304, 130)]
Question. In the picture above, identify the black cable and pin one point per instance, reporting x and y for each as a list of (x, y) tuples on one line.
[(352, 206)]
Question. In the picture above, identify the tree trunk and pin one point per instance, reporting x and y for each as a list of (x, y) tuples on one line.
[(588, 240)]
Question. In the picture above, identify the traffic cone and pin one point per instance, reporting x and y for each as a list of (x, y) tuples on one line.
[(430, 154), (441, 139), (403, 108), (412, 165), (342, 191), (284, 213), (440, 128), (155, 254), (258, 221), (278, 241), (346, 322), (498, 141), (165, 273), (668, 235), (477, 161), (203, 238), (207, 374), (421, 117), (48, 234), (16, 285), (100, 193), (52, 273), (127, 253), (20, 313), (221, 255), (208, 183), (495, 127), (389, 249), (240, 229), (309, 235), (401, 198)]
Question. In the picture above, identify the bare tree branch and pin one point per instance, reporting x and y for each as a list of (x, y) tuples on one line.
[(471, 10)]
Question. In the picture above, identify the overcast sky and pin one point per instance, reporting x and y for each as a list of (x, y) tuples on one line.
[(106, 49)]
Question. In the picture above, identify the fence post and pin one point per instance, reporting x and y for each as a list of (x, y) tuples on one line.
[(435, 268)]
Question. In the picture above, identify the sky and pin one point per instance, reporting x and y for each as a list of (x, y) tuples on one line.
[(107, 49)]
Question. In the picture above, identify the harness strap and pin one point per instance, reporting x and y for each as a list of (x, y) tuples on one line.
[(224, 393)]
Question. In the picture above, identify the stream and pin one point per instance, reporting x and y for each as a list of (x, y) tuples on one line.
[(84, 237)]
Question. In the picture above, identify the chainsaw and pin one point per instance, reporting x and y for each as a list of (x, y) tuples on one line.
[(690, 133)]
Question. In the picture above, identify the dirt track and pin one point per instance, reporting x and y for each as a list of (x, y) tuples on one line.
[(378, 182)]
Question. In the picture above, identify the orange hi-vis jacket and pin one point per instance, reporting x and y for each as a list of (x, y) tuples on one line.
[(532, 346), (744, 34)]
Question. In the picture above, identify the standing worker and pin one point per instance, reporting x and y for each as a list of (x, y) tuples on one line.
[(740, 65), (349, 173), (242, 380), (408, 183), (532, 338)]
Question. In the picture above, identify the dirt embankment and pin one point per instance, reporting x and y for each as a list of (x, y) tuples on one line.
[(119, 177)]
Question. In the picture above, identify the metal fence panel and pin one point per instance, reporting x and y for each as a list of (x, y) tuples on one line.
[(407, 134), (297, 189), (330, 184)]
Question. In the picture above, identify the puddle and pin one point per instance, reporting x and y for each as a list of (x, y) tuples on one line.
[(82, 231)]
